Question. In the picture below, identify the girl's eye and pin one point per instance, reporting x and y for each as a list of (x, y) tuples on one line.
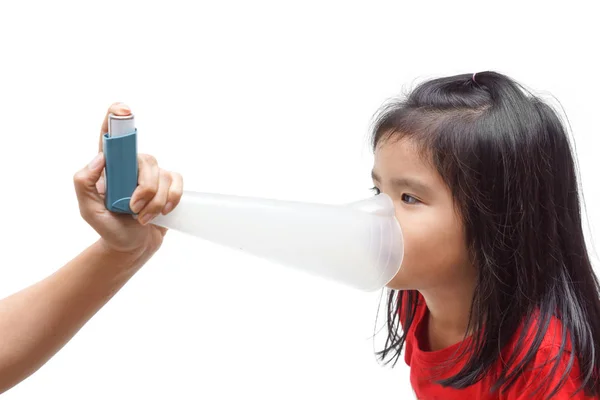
[(408, 199), (376, 190)]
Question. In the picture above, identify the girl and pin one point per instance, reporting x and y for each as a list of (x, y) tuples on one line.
[(496, 297), (38, 321)]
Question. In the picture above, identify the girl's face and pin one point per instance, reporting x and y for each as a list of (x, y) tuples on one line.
[(435, 251)]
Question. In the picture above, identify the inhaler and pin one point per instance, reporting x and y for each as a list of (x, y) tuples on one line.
[(359, 244)]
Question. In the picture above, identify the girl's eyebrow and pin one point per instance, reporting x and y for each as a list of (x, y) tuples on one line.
[(405, 182)]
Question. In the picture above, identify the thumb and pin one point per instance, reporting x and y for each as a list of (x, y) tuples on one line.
[(85, 182)]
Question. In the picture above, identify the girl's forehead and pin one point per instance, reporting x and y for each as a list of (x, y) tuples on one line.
[(404, 161), (401, 157)]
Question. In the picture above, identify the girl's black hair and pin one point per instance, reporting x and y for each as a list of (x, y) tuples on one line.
[(506, 156)]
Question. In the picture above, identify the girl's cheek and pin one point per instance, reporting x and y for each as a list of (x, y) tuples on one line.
[(421, 233), (419, 265)]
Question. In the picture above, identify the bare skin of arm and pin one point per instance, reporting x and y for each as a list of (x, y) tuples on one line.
[(39, 320)]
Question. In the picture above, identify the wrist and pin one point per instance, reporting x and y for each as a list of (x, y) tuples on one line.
[(124, 260)]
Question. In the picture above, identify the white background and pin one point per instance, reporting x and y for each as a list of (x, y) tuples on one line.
[(270, 99)]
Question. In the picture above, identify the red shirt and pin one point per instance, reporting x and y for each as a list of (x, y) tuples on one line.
[(422, 377)]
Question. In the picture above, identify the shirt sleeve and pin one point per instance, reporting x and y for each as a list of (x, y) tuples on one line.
[(527, 387)]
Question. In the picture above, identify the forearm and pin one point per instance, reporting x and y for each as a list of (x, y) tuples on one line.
[(38, 321)]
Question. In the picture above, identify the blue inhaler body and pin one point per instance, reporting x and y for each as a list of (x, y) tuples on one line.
[(120, 152)]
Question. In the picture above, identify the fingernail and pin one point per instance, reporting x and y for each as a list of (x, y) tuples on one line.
[(138, 205), (168, 207), (147, 218), (95, 162)]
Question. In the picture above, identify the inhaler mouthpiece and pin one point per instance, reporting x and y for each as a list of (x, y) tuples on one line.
[(358, 244)]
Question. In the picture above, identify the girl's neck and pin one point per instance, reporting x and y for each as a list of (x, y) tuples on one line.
[(448, 315)]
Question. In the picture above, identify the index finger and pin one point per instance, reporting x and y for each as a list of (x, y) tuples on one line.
[(117, 109)]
